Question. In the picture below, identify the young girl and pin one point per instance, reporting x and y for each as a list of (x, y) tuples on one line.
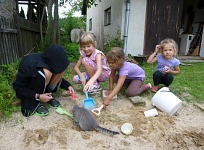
[(94, 62), (130, 75), (167, 64)]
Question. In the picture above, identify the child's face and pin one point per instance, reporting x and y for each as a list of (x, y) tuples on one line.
[(113, 65), (88, 49), (168, 51)]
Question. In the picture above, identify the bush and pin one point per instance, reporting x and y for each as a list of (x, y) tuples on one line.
[(113, 41), (7, 94), (72, 51)]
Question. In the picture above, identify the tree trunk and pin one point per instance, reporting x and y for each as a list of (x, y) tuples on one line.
[(41, 24), (50, 20), (55, 24)]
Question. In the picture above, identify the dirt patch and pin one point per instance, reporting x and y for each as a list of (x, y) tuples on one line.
[(185, 130)]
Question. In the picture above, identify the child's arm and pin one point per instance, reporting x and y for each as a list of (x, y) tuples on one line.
[(115, 91), (152, 57), (111, 80), (96, 74), (77, 70)]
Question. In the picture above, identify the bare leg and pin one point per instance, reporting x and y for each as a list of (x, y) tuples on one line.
[(89, 70)]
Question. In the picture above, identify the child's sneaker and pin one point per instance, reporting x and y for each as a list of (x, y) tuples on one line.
[(42, 110), (155, 88), (95, 89), (148, 86)]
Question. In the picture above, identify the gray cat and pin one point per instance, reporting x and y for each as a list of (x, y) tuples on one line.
[(86, 121)]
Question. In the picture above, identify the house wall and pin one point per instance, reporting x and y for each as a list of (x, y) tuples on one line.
[(137, 22), (136, 30), (97, 15)]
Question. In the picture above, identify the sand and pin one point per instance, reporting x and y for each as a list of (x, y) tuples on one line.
[(184, 130)]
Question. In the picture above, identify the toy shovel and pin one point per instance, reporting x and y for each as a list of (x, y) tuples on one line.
[(97, 111), (63, 111), (88, 102)]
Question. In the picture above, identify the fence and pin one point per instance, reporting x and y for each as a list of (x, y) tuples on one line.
[(8, 41), (17, 39)]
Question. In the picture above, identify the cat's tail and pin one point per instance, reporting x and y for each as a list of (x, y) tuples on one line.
[(106, 131)]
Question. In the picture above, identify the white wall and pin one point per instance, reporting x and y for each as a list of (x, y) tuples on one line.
[(136, 29), (97, 15)]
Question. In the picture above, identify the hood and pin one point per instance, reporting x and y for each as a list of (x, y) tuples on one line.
[(56, 58)]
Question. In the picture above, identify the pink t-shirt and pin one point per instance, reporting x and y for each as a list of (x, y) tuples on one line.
[(93, 58)]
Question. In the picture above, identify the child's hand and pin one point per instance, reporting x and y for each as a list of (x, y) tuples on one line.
[(157, 48), (108, 91), (70, 90), (46, 97), (106, 102), (88, 86), (166, 69), (83, 80)]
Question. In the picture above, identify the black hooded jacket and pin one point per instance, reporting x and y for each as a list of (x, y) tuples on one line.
[(31, 79)]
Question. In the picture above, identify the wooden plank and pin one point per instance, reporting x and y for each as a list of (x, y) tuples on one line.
[(8, 30)]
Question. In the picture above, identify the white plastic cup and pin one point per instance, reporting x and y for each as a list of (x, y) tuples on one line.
[(151, 113)]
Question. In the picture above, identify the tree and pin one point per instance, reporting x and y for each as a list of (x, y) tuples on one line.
[(53, 19), (22, 13)]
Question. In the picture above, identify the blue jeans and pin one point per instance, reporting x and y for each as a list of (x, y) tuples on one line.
[(160, 78)]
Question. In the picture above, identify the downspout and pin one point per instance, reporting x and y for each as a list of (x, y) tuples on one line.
[(127, 15)]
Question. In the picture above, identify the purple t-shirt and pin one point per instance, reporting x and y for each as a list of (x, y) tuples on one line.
[(162, 62), (132, 71)]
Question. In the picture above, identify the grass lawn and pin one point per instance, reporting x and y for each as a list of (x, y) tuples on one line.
[(188, 85)]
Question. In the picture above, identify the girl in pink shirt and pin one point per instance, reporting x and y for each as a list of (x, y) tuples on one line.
[(94, 62)]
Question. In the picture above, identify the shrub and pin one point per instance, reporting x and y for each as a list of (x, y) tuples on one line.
[(7, 94)]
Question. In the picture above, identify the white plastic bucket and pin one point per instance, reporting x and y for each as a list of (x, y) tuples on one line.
[(166, 101)]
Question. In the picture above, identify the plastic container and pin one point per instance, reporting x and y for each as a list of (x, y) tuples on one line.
[(151, 113), (127, 128), (166, 101)]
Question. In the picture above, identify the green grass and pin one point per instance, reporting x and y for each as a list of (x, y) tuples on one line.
[(187, 85)]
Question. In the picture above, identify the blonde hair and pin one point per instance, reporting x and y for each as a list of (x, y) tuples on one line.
[(117, 55), (171, 42), (87, 38)]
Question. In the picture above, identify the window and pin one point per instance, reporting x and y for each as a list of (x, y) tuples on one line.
[(90, 24), (107, 16)]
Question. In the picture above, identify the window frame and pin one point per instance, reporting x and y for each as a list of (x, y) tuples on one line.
[(107, 16)]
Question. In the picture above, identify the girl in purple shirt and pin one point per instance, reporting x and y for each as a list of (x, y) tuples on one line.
[(129, 75), (167, 64)]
